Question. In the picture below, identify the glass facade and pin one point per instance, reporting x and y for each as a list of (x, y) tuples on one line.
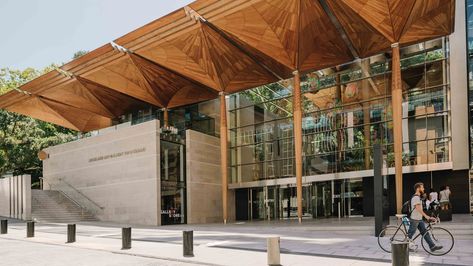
[(346, 110), (199, 117), (173, 183), (339, 198)]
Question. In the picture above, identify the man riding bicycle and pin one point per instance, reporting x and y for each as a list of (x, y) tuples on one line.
[(416, 222)]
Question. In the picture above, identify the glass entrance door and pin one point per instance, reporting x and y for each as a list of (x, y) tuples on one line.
[(323, 199), (173, 184), (288, 202), (264, 203), (338, 198), (338, 188), (272, 203), (354, 197), (257, 204)]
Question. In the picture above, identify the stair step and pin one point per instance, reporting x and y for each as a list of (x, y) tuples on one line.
[(53, 206)]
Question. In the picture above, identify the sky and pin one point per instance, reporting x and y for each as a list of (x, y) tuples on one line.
[(36, 33)]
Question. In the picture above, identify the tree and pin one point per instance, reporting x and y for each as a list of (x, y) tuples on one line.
[(21, 137), (79, 54)]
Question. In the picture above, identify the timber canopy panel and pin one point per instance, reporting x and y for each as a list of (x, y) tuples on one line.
[(213, 46)]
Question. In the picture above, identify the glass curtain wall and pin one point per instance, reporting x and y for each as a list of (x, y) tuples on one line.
[(199, 117), (346, 110)]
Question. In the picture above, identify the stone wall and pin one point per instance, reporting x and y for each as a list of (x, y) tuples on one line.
[(15, 197), (114, 174), (204, 185)]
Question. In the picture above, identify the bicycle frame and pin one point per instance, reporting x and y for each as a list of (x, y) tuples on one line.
[(406, 230)]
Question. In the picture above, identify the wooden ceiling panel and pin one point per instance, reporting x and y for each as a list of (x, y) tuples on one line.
[(222, 45), (289, 32), (236, 70), (36, 108), (205, 56), (123, 76), (190, 95), (314, 52), (365, 38), (118, 103), (75, 94), (400, 12), (187, 55), (429, 19), (11, 97), (376, 13), (168, 83), (273, 65), (83, 120), (254, 26)]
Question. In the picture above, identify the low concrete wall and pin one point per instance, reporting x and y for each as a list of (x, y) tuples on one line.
[(15, 197), (117, 170), (204, 184)]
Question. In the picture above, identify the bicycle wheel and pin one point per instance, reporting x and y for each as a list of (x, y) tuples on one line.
[(441, 237), (390, 234)]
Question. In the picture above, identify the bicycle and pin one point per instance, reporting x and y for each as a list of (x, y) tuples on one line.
[(439, 235)]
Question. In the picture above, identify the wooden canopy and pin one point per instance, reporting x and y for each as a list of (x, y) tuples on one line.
[(213, 46)]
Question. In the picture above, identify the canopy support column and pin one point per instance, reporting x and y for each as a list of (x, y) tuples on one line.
[(224, 154), (165, 117), (297, 121), (396, 98)]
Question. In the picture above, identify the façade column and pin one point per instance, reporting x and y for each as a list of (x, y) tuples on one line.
[(396, 98), (297, 121), (224, 154)]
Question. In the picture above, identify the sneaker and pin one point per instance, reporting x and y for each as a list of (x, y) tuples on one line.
[(412, 246), (435, 248)]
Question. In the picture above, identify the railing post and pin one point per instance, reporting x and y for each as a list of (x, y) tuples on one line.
[(71, 233), (29, 229), (3, 227)]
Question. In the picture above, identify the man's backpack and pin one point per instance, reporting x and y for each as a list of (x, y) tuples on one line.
[(407, 207)]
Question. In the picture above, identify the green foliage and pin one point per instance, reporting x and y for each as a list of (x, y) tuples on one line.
[(266, 96), (21, 137), (79, 54)]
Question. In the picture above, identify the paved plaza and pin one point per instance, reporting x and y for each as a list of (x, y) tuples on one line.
[(316, 241)]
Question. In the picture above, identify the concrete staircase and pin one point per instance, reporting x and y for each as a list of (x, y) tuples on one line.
[(54, 206)]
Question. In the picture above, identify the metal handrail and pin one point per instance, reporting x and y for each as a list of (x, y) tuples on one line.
[(82, 194), (82, 208)]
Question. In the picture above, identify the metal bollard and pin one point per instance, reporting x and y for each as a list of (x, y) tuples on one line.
[(188, 243), (30, 229), (71, 233), (400, 253), (126, 237), (3, 227), (274, 251)]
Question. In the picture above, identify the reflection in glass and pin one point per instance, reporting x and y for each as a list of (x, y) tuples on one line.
[(346, 110), (173, 185)]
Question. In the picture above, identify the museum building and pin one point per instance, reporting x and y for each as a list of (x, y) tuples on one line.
[(263, 110)]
